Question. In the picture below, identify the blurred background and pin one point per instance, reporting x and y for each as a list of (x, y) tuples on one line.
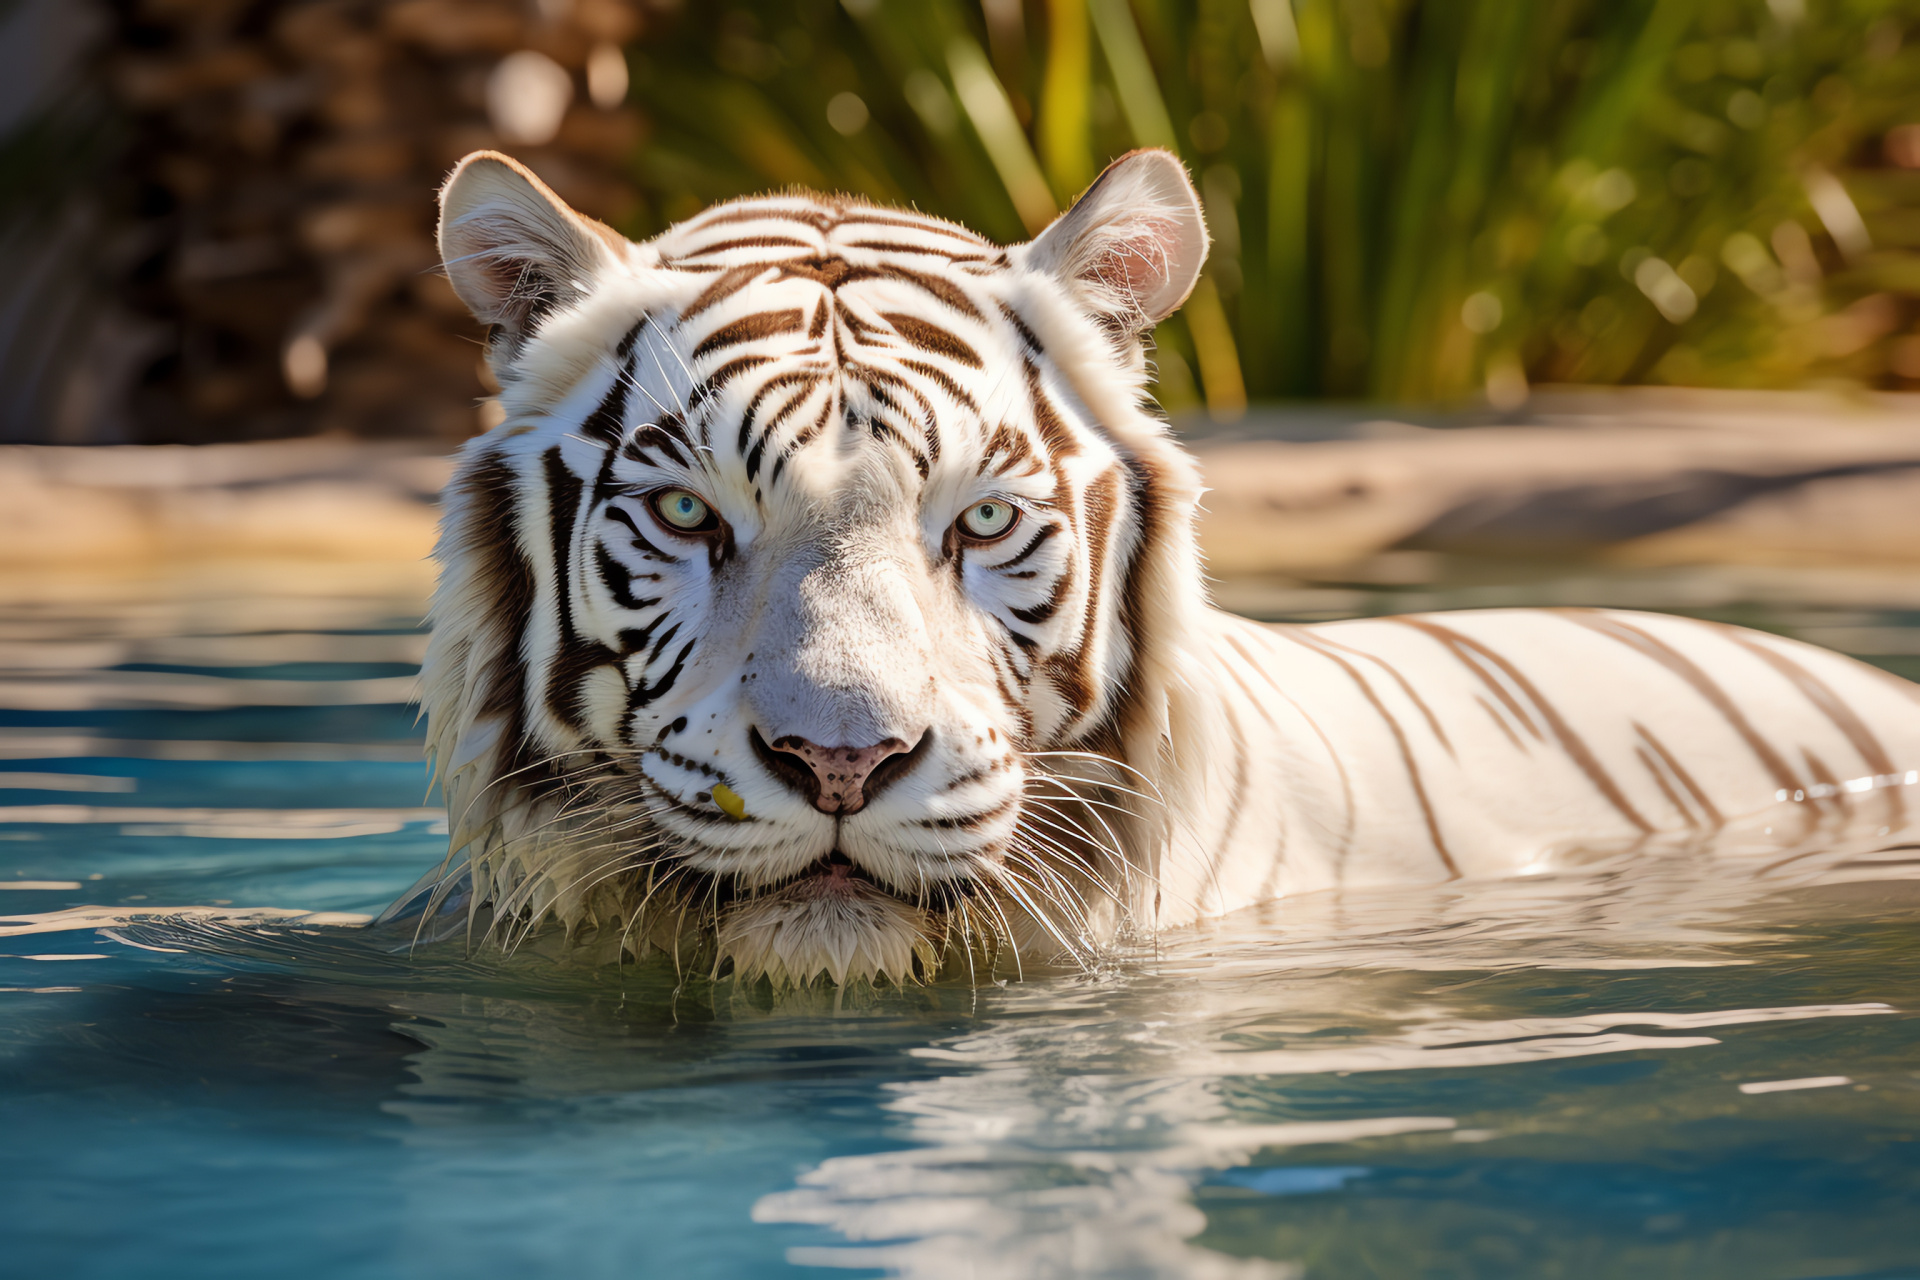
[(216, 215)]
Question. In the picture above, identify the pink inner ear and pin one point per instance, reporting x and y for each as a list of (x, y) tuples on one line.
[(1137, 259)]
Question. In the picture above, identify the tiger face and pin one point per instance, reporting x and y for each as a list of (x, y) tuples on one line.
[(811, 576)]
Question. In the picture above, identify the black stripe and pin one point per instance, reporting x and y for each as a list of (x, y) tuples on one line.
[(1027, 337), (644, 693), (609, 422), (625, 348), (640, 539), (575, 655), (652, 437), (1046, 531), (1040, 612), (619, 581), (721, 377), (490, 532)]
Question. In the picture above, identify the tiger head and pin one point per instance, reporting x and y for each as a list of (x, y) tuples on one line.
[(820, 595)]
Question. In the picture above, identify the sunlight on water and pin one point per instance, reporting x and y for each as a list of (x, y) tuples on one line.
[(1678, 1063)]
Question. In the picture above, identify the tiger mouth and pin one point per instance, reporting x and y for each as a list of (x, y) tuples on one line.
[(837, 875)]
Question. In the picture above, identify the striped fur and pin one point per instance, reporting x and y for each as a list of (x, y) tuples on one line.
[(1094, 747)]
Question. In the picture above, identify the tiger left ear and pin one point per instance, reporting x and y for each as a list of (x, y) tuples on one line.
[(514, 250), (1132, 246)]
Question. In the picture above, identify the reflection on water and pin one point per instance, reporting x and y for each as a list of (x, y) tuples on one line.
[(1668, 1066)]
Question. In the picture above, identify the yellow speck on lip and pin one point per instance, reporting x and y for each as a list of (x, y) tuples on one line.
[(730, 804)]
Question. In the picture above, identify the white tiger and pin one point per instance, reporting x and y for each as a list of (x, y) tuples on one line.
[(828, 602)]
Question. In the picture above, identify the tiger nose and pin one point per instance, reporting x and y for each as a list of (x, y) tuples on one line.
[(838, 780)]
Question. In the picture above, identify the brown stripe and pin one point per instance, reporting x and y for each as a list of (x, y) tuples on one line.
[(1823, 776), (928, 418), (945, 291), (1686, 779), (1501, 721), (1058, 438), (607, 423), (1465, 654), (955, 392), (652, 437), (854, 323), (1346, 782), (1570, 742), (895, 246), (873, 216), (1041, 612), (1310, 643), (753, 328), (752, 242), (1399, 679), (933, 338), (1237, 803), (802, 439), (793, 377), (575, 655), (724, 286), (1652, 767), (1013, 446), (775, 420), (1072, 672), (1645, 644), (717, 383), (758, 211), (1830, 705)]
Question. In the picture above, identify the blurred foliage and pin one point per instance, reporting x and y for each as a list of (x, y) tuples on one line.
[(1410, 199)]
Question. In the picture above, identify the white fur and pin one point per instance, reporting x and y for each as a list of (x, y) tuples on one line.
[(1164, 761)]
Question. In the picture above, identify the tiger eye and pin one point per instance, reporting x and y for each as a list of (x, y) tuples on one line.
[(683, 511), (989, 520)]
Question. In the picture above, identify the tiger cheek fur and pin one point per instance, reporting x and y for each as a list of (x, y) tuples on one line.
[(758, 661)]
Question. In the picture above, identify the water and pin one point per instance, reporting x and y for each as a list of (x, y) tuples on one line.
[(1526, 1078)]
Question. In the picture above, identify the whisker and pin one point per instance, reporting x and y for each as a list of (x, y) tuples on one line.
[(1054, 820), (1012, 884)]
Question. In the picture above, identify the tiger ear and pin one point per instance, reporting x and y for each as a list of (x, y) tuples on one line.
[(1132, 246), (513, 250)]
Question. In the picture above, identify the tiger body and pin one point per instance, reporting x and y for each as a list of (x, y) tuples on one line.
[(1520, 741), (828, 596)]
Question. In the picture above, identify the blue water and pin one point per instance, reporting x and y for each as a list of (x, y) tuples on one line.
[(1538, 1078)]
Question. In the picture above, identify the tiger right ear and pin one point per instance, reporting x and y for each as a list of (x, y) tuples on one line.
[(1132, 246), (513, 249)]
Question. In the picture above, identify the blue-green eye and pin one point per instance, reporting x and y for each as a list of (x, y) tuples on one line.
[(989, 520), (683, 511)]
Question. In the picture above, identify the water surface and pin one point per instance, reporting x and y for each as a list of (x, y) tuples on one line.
[(1669, 1068)]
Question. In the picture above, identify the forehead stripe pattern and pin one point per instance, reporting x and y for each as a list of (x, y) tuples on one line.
[(900, 411)]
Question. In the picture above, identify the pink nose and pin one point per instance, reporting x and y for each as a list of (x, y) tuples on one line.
[(842, 772)]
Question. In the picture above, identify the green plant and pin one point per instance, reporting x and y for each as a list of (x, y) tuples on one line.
[(1410, 199)]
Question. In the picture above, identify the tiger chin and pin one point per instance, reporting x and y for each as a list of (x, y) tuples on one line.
[(827, 605)]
